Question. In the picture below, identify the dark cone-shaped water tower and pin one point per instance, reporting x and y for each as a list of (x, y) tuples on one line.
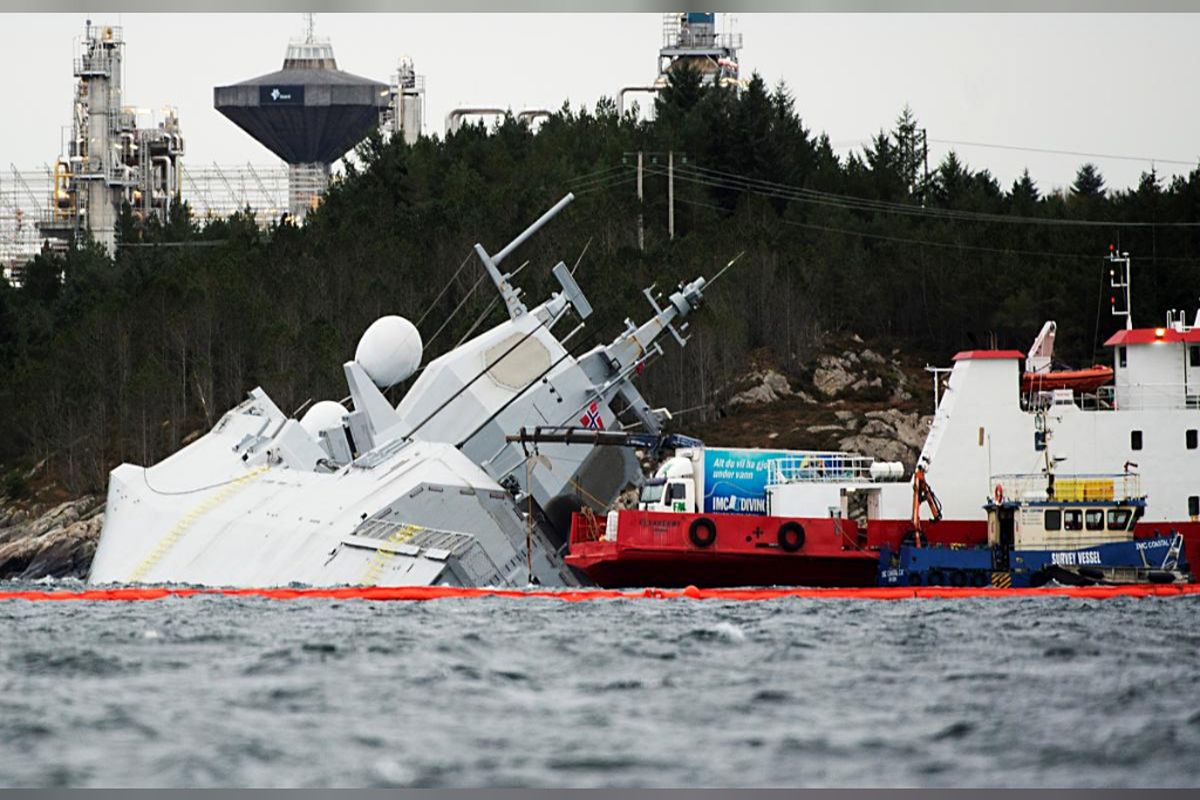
[(309, 114)]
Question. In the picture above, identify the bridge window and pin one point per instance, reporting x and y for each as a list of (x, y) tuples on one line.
[(677, 491), (1122, 359), (1194, 506), (1094, 519), (1053, 520), (1118, 519), (1191, 439), (1135, 440), (1194, 355), (1072, 520)]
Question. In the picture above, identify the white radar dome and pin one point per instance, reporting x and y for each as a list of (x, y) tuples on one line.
[(389, 351), (322, 416)]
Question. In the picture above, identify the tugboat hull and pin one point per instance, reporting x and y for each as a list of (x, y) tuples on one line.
[(640, 548)]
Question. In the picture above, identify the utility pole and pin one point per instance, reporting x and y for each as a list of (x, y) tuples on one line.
[(641, 229), (925, 158), (671, 193)]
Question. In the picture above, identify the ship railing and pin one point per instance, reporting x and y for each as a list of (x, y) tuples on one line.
[(587, 527), (1074, 487), (1158, 396), (819, 467)]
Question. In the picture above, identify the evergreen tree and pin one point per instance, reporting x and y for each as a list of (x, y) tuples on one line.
[(1088, 182), (910, 147)]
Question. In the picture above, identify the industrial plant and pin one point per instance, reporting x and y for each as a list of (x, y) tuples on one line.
[(309, 113), (109, 161)]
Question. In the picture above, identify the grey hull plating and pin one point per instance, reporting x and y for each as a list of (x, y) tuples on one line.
[(427, 492)]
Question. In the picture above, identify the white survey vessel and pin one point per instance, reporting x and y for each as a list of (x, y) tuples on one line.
[(426, 492)]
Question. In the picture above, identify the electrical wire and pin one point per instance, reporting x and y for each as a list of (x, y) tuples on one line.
[(604, 186), (587, 177), (727, 180), (904, 240), (1023, 149), (445, 288)]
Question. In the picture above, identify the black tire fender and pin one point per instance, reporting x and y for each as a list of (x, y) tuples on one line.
[(702, 532), (791, 536)]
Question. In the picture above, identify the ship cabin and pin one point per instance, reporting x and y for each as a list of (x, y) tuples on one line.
[(1152, 369), (1155, 368), (1065, 512)]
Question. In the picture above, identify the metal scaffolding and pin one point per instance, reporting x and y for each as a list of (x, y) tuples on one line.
[(211, 192), (24, 200), (217, 191)]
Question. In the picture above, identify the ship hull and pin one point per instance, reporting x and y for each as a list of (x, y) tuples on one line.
[(661, 550), (972, 533)]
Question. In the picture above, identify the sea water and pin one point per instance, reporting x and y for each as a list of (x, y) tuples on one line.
[(228, 691)]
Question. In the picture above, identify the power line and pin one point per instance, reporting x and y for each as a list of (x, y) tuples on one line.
[(841, 143), (927, 242), (1024, 149), (726, 180)]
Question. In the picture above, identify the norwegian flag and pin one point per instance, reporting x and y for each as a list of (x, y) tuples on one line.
[(591, 418)]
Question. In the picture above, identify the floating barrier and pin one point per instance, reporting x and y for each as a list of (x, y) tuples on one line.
[(140, 593)]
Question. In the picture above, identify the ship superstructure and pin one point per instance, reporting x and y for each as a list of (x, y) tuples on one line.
[(427, 492), (1146, 422)]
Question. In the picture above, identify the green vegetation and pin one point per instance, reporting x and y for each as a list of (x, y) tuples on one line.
[(105, 360)]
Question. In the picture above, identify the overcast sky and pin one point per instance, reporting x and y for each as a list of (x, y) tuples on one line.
[(1111, 84)]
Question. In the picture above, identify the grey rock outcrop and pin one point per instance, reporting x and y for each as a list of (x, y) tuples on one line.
[(890, 435), (832, 375), (768, 387), (57, 543)]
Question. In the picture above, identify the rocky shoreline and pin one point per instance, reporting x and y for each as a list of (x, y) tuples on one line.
[(56, 542)]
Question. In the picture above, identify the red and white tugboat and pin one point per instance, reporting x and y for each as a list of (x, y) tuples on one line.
[(706, 519)]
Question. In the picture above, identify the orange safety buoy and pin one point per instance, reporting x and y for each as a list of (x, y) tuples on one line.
[(999, 494)]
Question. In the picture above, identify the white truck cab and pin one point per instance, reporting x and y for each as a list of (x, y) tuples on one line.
[(672, 489)]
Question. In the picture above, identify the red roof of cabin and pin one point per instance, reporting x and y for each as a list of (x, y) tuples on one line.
[(969, 355), (1150, 336)]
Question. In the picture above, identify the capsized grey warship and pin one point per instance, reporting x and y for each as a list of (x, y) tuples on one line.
[(427, 492)]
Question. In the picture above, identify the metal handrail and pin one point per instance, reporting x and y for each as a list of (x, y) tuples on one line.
[(1069, 487), (819, 467)]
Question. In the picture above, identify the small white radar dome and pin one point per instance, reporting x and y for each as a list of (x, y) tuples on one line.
[(389, 350), (322, 416)]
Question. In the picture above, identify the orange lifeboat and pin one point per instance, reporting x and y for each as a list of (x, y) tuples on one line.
[(1079, 380)]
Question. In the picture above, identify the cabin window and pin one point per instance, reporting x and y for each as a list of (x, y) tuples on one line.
[(1194, 506), (1121, 358), (1194, 355), (1072, 520), (1053, 520), (1093, 519), (1191, 439), (677, 491), (652, 493), (1118, 519), (1135, 440)]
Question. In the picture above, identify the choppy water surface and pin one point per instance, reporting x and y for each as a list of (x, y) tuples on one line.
[(229, 691)]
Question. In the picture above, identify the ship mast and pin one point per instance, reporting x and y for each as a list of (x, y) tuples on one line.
[(1118, 278)]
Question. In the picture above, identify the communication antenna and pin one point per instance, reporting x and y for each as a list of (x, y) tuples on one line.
[(308, 27), (1118, 275)]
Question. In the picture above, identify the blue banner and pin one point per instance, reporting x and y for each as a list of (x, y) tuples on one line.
[(735, 481)]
